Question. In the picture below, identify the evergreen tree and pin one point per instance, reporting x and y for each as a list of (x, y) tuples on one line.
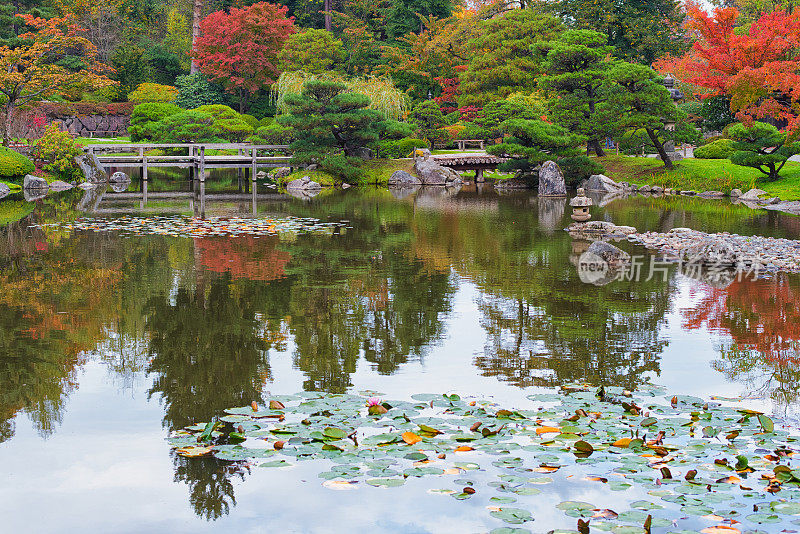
[(576, 70), (762, 147), (405, 15), (642, 102), (332, 127)]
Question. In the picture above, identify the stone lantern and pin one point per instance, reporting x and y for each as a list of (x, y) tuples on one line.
[(580, 206)]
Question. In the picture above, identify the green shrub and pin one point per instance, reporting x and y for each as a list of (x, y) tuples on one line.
[(57, 150), (273, 134), (14, 166), (189, 127), (400, 148), (233, 129), (252, 121), (146, 120), (719, 149), (266, 121), (219, 111), (579, 168)]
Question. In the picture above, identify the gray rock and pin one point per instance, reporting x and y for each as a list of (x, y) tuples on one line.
[(303, 184), (4, 190), (551, 180), (772, 201), (345, 185), (672, 155), (281, 172), (688, 193), (736, 193), (550, 213), (92, 168), (59, 185), (752, 194), (602, 183), (658, 190), (34, 182), (712, 194), (786, 206), (312, 167), (86, 185), (364, 153), (645, 189), (711, 250), (431, 173), (613, 256), (120, 187), (119, 178), (404, 191)]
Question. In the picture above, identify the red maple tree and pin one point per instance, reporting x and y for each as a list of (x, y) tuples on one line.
[(240, 49), (758, 69)]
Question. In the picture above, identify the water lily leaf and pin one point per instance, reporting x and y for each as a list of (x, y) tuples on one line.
[(766, 423), (584, 446), (763, 518), (575, 505), (512, 515), (334, 433), (276, 463), (386, 482), (429, 430), (648, 421), (507, 530), (789, 508)]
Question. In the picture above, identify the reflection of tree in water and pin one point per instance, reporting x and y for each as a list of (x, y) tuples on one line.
[(208, 353), (361, 293), (211, 491), (567, 332), (763, 320)]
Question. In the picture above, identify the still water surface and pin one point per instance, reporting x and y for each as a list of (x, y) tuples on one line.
[(107, 343)]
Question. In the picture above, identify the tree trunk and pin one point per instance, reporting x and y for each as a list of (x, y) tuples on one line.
[(659, 148), (327, 9), (595, 145), (8, 112), (197, 13)]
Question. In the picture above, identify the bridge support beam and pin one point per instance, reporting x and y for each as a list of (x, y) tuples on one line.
[(479, 179)]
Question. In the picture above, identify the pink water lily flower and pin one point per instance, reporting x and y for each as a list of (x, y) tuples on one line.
[(373, 401)]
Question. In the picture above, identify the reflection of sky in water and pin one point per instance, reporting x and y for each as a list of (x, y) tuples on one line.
[(105, 467)]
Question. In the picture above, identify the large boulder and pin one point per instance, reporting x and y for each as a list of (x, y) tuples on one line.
[(119, 178), (364, 153), (613, 256), (92, 168), (736, 193), (59, 185), (431, 173), (792, 207), (603, 184), (34, 182), (281, 172), (713, 250), (303, 184), (32, 195), (551, 180), (753, 194), (403, 179), (4, 190)]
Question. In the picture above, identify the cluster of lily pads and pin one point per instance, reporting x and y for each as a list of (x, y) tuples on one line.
[(197, 228), (666, 463)]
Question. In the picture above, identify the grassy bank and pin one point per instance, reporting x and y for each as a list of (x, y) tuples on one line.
[(15, 188), (702, 175), (376, 172)]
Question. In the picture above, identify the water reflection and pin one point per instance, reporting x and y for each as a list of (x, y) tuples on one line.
[(202, 319), (762, 322)]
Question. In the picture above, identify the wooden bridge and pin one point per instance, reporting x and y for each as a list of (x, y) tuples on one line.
[(136, 155), (477, 162)]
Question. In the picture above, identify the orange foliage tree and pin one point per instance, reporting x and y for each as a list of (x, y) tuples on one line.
[(31, 71), (758, 68)]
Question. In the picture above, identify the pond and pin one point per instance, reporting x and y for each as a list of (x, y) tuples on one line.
[(112, 336)]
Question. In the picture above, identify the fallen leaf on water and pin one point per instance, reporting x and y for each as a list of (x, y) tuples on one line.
[(464, 448), (729, 480), (546, 469), (276, 405), (341, 484), (411, 438), (279, 445), (721, 529), (604, 514), (254, 406), (548, 430), (194, 452), (622, 443)]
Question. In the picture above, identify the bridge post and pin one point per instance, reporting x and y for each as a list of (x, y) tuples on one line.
[(479, 179), (144, 169), (202, 170), (254, 169)]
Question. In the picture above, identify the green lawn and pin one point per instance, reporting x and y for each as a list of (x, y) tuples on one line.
[(702, 175), (376, 171)]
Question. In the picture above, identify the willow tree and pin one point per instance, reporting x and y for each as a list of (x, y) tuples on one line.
[(383, 95)]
